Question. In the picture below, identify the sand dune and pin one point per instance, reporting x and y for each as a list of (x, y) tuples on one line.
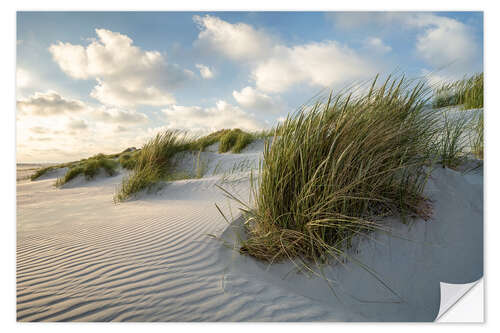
[(80, 257)]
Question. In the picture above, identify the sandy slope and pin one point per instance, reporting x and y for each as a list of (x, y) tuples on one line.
[(81, 257)]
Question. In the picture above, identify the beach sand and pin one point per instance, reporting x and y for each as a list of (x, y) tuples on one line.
[(81, 257)]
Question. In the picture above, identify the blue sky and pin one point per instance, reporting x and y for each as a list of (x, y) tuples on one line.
[(90, 82)]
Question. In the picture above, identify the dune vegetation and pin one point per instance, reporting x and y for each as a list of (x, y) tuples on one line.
[(351, 154), (42, 171), (81, 163), (155, 161), (467, 92), (230, 140), (477, 136), (128, 159), (339, 165), (89, 168)]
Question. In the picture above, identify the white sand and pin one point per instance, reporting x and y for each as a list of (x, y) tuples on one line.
[(82, 258)]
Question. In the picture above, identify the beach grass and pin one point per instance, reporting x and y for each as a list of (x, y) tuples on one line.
[(154, 162), (235, 141), (202, 143), (230, 140), (452, 145), (42, 171), (89, 168), (467, 92), (477, 136), (243, 140), (128, 160), (337, 166)]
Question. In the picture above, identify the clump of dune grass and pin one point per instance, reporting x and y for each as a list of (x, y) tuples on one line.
[(154, 163), (477, 136), (235, 141), (201, 143), (40, 172), (106, 162), (243, 140), (228, 140), (93, 166), (70, 174), (200, 166), (338, 166), (89, 168), (467, 92), (128, 160), (452, 142)]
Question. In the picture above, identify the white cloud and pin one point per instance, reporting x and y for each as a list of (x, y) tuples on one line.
[(52, 104), (117, 116), (122, 94), (322, 64), (23, 78), (253, 99), (205, 71), (77, 124), (120, 129), (237, 41), (39, 130), (198, 119), (48, 104), (377, 45), (441, 41), (126, 75), (446, 41), (57, 108), (276, 67)]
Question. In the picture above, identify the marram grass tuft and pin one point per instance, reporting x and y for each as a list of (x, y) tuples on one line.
[(338, 166), (467, 92)]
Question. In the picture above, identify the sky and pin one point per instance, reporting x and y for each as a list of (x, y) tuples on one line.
[(91, 82)]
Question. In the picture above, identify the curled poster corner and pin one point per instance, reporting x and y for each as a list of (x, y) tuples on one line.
[(451, 294)]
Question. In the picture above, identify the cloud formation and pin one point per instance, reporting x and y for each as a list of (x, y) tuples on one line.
[(440, 41), (251, 98), (40, 130), (77, 124), (118, 116), (23, 78), (126, 75), (48, 104), (445, 41), (323, 64), (275, 66), (205, 71), (198, 119), (376, 44), (237, 41)]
